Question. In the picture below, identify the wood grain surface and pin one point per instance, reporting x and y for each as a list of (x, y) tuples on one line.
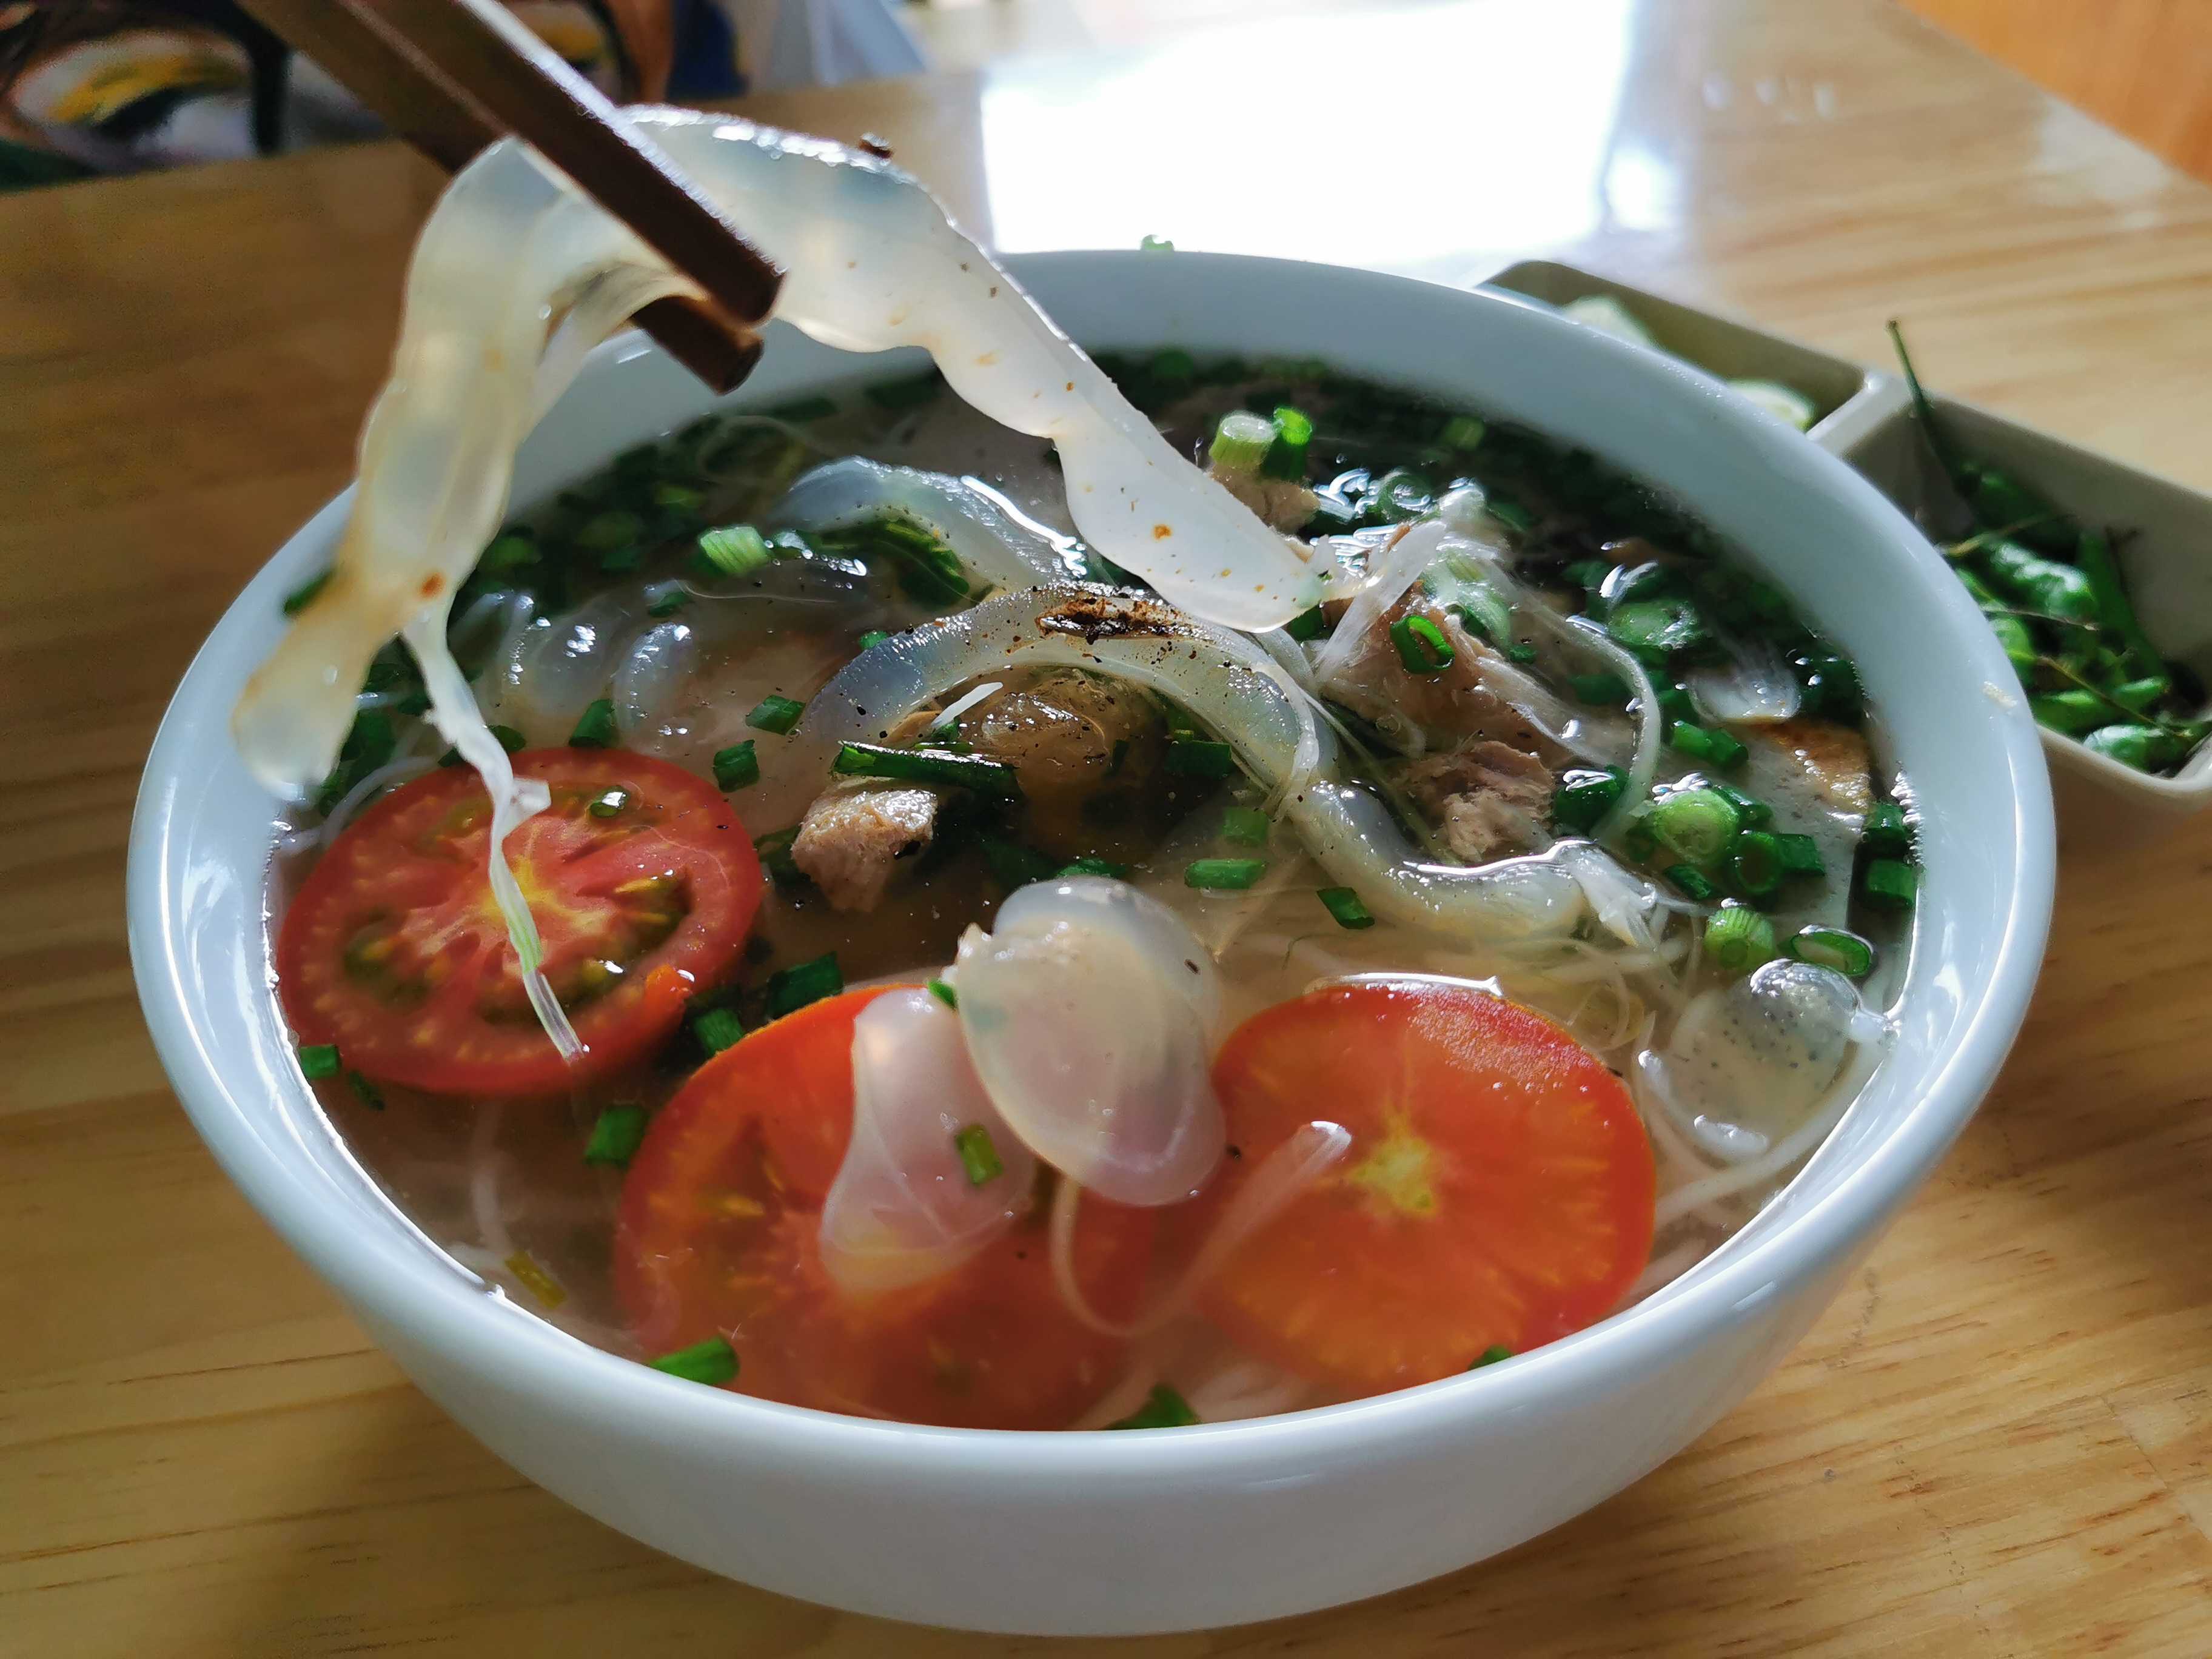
[(1998, 1441)]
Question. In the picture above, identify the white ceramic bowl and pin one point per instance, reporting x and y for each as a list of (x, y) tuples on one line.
[(1121, 1532)]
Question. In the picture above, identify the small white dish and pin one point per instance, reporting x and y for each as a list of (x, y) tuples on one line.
[(1107, 1532)]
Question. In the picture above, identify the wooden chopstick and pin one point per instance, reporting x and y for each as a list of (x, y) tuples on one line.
[(451, 77)]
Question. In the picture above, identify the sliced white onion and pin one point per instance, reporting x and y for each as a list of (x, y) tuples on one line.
[(1089, 1009), (1755, 683), (1622, 902), (902, 1208)]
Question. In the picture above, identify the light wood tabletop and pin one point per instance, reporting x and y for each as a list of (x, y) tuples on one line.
[(1998, 1441)]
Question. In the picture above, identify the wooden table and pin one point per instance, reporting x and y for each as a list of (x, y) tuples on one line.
[(1999, 1441)]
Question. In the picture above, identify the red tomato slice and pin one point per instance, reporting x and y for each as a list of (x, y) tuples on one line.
[(719, 1232), (1498, 1188), (394, 950)]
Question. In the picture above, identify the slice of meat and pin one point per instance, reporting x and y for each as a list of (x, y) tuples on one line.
[(1834, 758), (1490, 799), (1283, 504), (1453, 704), (1070, 738), (852, 836)]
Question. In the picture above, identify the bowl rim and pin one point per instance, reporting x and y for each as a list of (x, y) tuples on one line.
[(570, 1378)]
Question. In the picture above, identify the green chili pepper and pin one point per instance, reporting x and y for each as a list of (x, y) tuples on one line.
[(2044, 585)]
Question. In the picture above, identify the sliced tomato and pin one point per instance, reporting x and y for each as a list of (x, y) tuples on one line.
[(1498, 1188), (394, 950), (720, 1229)]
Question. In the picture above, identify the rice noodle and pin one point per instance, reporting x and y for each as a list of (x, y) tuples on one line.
[(1727, 1183)]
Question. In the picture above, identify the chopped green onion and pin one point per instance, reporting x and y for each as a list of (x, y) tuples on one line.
[(1757, 814), (1585, 795), (368, 744), (1173, 364), (615, 1137), (1707, 744), (1607, 689), (910, 393), (1690, 881), (712, 1362), (1518, 651), (1674, 703), (986, 777), (677, 498), (1800, 855), (774, 713), (1088, 866), (1509, 512), (1241, 441), (1156, 245), (1218, 874), (595, 726), (737, 767), (1490, 1356), (718, 1029), (793, 988), (1755, 863), (978, 1157), (1246, 824), (1287, 456), (1199, 757), (1012, 864), (1421, 645), (365, 1091), (804, 409), (668, 603), (944, 993), (1832, 947), (872, 638), (609, 533), (1589, 574), (1738, 938), (1462, 433), (1655, 629), (1306, 625), (1697, 823), (304, 595), (1887, 835), (774, 850), (318, 1059), (505, 736), (1343, 905), (1163, 1408), (735, 550), (608, 804), (510, 552), (1889, 885)]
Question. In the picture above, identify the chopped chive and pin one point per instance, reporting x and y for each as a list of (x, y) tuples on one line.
[(609, 533), (1755, 863), (986, 777), (737, 767), (510, 552), (677, 498), (1800, 855), (734, 549), (608, 803), (304, 595), (365, 1091), (910, 393), (775, 851), (1589, 574), (1088, 866), (1490, 1356), (1306, 625), (318, 1059), (1585, 795), (978, 1157), (1012, 864), (1698, 823), (505, 736), (1173, 364), (774, 713), (1199, 757), (1655, 629), (1738, 938), (1889, 885), (595, 726), (1757, 814), (718, 1029), (615, 1137), (793, 988), (1343, 905), (1608, 690), (1520, 652), (712, 1362), (1832, 947), (1714, 747), (1690, 881), (1241, 441), (944, 993), (1509, 512), (1887, 835), (1224, 874), (1287, 456), (1462, 433), (804, 409), (1163, 1408), (668, 603), (1421, 645), (872, 638), (1245, 824)]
